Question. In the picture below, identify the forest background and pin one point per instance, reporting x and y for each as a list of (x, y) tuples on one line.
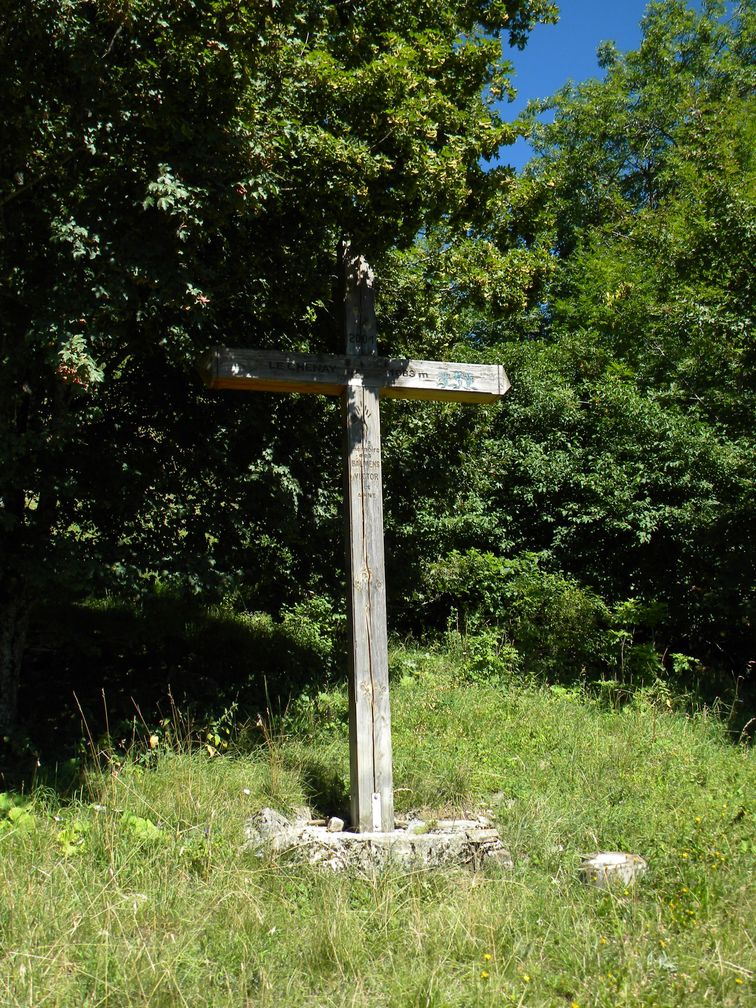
[(177, 177)]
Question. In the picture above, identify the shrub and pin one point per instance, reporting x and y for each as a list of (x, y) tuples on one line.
[(515, 614)]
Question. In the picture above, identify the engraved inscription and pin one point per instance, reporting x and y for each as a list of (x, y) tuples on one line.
[(364, 463), (314, 367), (365, 469)]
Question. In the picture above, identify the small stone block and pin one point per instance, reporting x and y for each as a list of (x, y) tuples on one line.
[(335, 825), (608, 867), (480, 835)]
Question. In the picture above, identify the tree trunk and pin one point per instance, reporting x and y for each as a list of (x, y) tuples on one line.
[(14, 622)]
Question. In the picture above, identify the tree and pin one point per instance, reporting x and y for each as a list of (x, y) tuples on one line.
[(172, 176), (614, 279), (659, 282)]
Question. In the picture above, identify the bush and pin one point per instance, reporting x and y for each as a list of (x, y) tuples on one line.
[(512, 614)]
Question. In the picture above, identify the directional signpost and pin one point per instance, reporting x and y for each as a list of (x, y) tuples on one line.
[(360, 376)]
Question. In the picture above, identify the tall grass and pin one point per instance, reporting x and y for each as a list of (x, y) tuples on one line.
[(136, 892)]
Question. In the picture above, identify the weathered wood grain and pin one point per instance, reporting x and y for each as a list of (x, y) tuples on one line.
[(370, 718), (328, 374), (360, 328), (372, 792)]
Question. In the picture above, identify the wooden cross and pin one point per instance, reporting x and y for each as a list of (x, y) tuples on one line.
[(360, 376)]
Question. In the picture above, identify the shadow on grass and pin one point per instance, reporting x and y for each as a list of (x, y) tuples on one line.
[(325, 787), (113, 670)]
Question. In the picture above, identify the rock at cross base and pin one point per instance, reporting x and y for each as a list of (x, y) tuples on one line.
[(462, 843)]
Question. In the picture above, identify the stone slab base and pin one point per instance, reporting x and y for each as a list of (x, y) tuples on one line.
[(469, 843)]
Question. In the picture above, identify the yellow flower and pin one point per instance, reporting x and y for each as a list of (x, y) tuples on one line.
[(525, 978), (484, 975), (738, 980), (487, 957), (602, 940)]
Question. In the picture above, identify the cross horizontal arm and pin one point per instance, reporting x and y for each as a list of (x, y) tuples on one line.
[(328, 374)]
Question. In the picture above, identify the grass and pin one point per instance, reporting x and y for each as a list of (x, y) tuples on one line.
[(136, 891)]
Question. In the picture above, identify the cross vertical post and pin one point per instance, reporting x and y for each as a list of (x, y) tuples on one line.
[(360, 377), (372, 792)]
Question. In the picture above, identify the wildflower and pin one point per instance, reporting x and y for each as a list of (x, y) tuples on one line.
[(484, 975), (487, 957), (738, 980), (602, 940), (525, 978)]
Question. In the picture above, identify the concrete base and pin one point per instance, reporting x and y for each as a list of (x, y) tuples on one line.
[(469, 843)]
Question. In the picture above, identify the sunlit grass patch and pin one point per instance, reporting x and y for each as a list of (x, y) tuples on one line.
[(138, 892)]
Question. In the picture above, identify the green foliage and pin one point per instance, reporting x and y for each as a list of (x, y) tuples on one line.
[(515, 619), (653, 294), (124, 668), (15, 814), (73, 837), (514, 615), (655, 215), (173, 177), (141, 829), (316, 627), (180, 178), (612, 280)]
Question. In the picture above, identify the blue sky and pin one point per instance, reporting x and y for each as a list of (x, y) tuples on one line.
[(557, 53)]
